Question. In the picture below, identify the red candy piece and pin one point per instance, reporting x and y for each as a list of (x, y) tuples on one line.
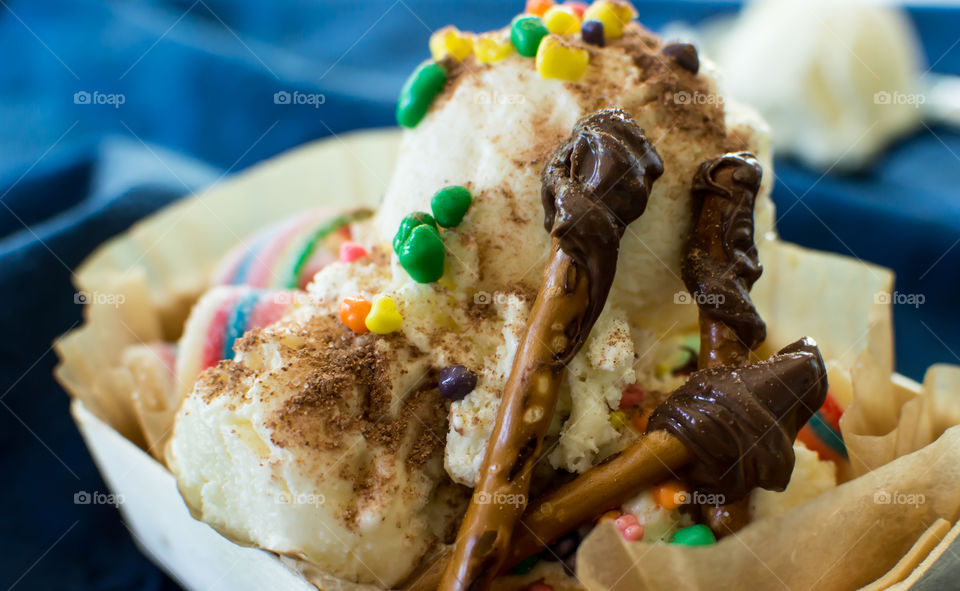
[(831, 412), (808, 437), (538, 7), (629, 527), (578, 8), (632, 396), (351, 251), (353, 313)]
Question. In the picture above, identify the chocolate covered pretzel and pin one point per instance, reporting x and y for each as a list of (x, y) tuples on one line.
[(595, 183), (720, 264), (719, 267)]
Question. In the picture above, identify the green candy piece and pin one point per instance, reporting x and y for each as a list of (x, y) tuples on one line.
[(526, 565), (422, 254), (417, 218), (450, 204), (418, 92), (526, 33), (695, 535)]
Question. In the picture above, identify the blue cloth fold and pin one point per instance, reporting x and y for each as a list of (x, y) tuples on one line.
[(113, 109)]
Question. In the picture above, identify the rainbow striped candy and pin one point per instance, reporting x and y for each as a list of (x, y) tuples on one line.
[(223, 315), (822, 432), (287, 255)]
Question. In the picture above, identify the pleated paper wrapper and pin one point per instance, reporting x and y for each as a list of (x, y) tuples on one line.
[(901, 436)]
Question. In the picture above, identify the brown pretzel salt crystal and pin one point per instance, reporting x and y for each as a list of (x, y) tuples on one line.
[(595, 183)]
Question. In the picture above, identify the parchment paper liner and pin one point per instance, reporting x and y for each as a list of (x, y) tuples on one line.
[(162, 265)]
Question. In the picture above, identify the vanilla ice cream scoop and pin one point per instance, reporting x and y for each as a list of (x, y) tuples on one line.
[(320, 444), (493, 126), (837, 80)]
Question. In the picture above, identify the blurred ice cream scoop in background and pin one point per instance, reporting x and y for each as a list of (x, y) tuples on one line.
[(838, 80)]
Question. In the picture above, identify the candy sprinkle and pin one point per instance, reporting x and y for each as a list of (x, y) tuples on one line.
[(351, 251), (492, 47), (538, 7), (592, 32), (456, 382), (422, 254), (383, 317), (418, 92), (577, 7), (670, 494), (450, 204), (631, 396), (562, 20), (526, 33), (417, 218), (630, 528), (353, 313), (557, 59), (611, 515), (450, 41), (695, 535), (618, 420), (614, 14)]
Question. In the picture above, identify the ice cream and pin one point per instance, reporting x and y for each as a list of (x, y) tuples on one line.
[(317, 444), (494, 124), (329, 439), (841, 77)]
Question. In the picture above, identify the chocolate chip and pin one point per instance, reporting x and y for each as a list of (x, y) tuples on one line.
[(456, 382), (685, 54)]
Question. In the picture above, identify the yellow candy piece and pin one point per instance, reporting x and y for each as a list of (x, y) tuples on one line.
[(492, 47), (557, 59), (562, 20), (618, 420), (450, 41), (383, 317), (614, 14)]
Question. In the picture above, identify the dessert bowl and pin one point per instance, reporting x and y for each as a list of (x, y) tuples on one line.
[(199, 557), (329, 403)]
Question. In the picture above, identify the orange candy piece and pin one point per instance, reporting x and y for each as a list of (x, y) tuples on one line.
[(609, 516), (538, 7), (670, 494), (353, 313), (640, 420)]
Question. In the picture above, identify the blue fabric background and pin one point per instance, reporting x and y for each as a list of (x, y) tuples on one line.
[(199, 78)]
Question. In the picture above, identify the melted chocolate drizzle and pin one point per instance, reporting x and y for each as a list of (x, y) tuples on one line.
[(594, 185), (739, 424), (704, 272)]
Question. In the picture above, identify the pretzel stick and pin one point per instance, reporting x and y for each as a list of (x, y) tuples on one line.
[(595, 184), (720, 265)]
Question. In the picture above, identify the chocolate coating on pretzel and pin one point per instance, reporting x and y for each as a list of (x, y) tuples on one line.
[(739, 424), (721, 258), (595, 184)]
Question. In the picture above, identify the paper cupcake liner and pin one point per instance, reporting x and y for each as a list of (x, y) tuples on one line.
[(891, 427)]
